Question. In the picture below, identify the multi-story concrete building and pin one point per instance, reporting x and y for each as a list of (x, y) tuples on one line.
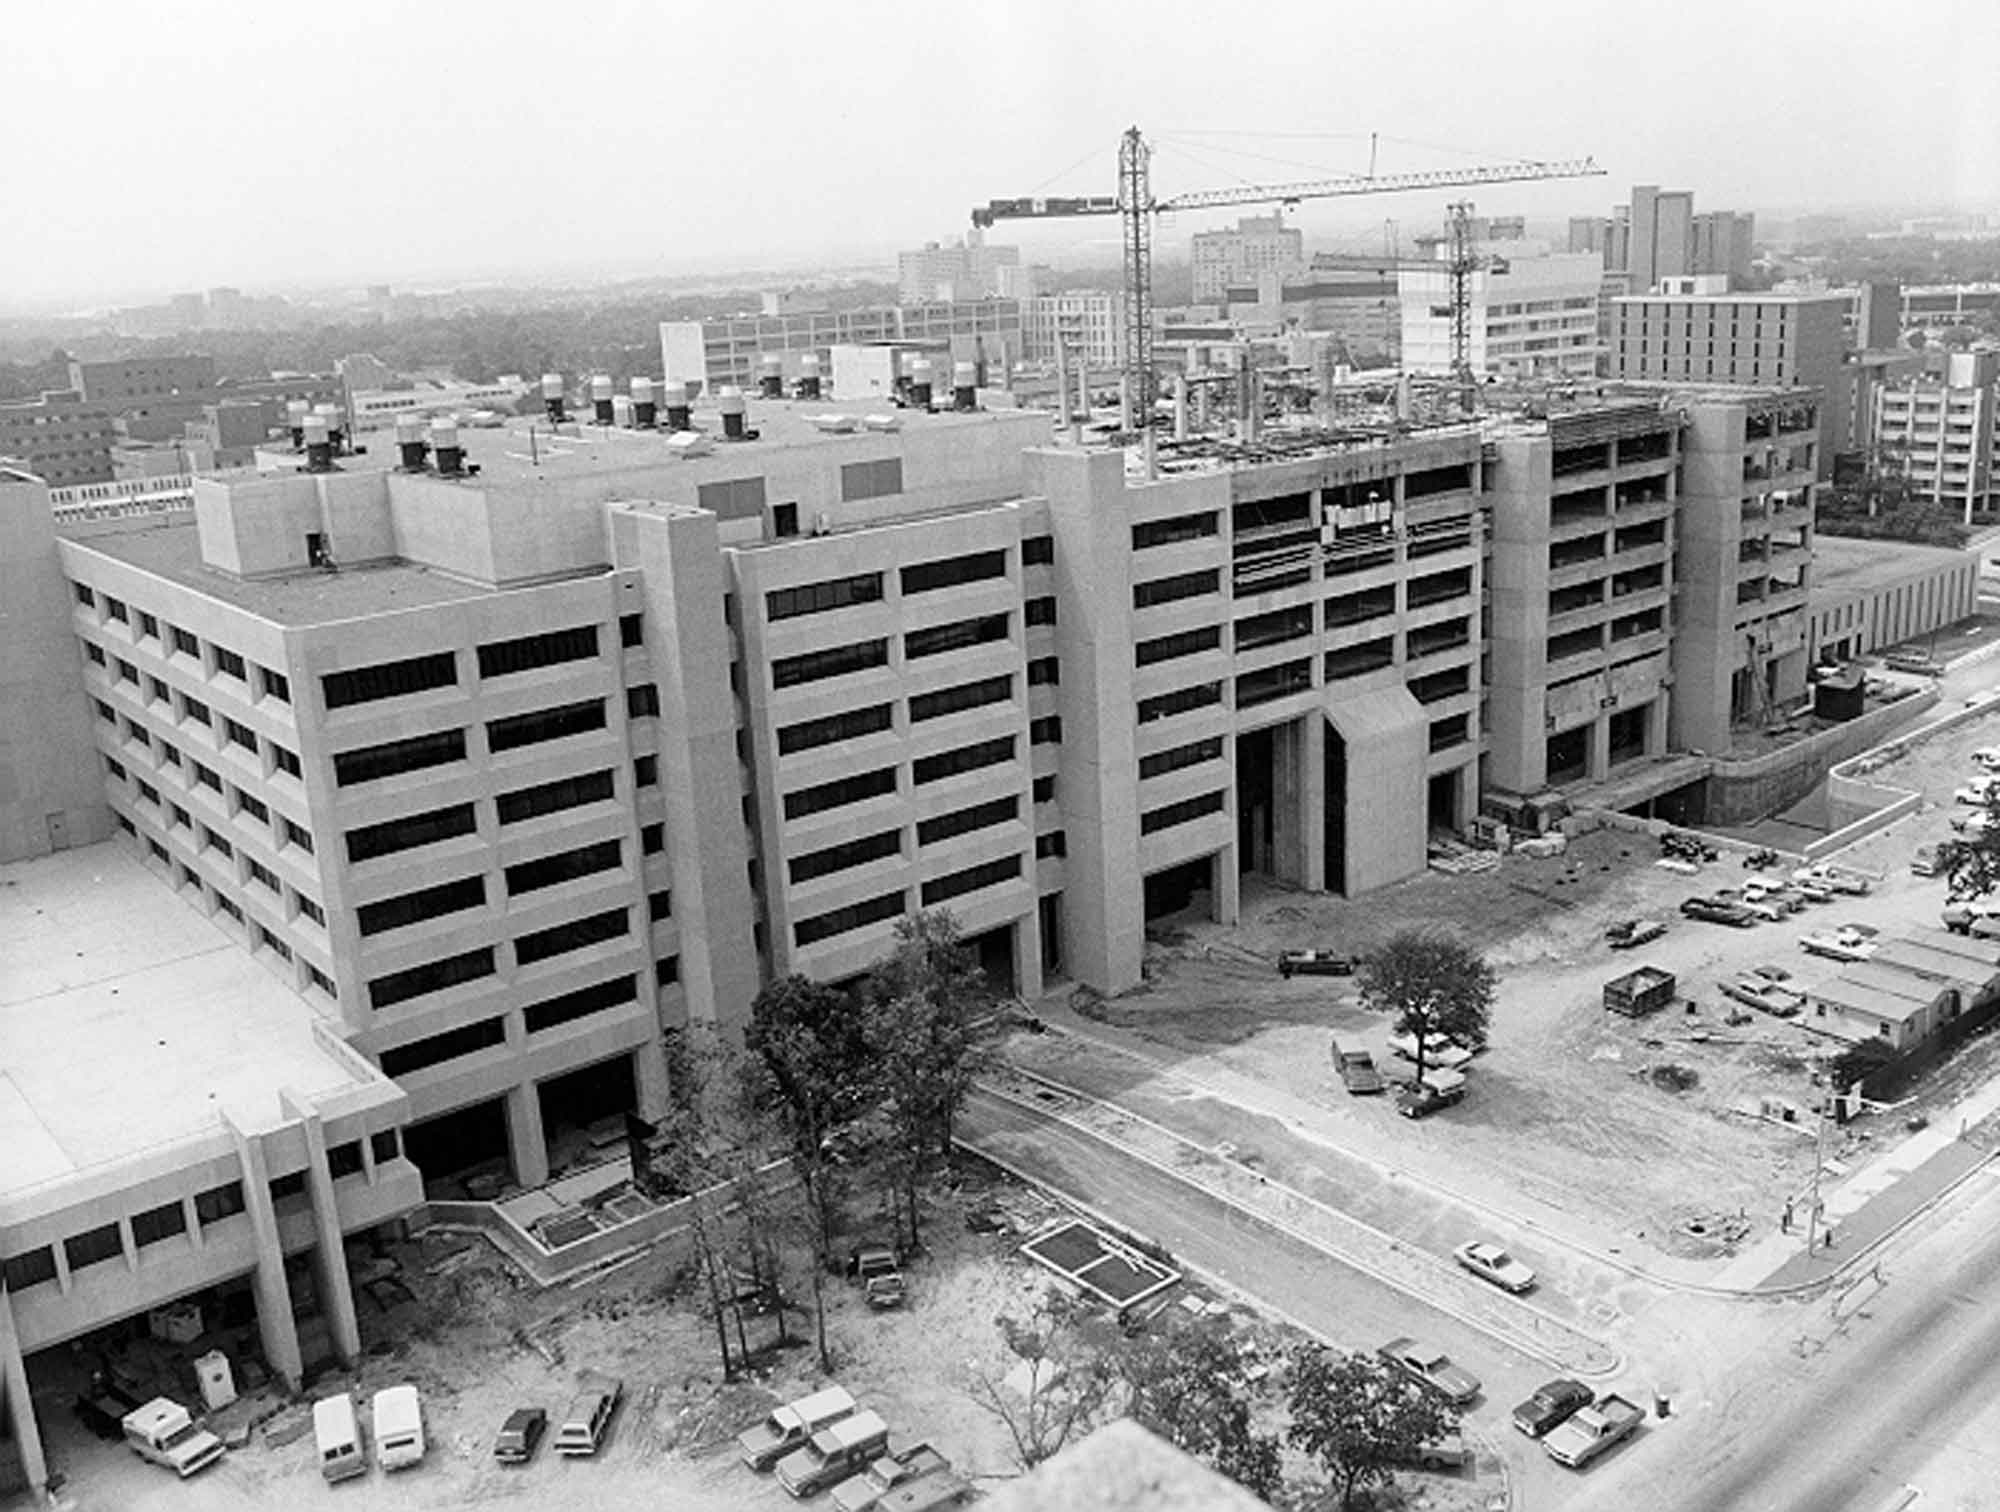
[(62, 437), (1352, 299), (1948, 304), (1531, 317), (961, 270), (1942, 430), (727, 350), (125, 381), (1257, 244), (1659, 236), (1707, 336), (1090, 321)]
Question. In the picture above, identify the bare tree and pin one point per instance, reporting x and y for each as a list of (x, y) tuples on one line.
[(1066, 1379)]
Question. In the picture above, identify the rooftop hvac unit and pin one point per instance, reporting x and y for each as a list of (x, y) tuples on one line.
[(838, 425), (689, 444), (882, 422)]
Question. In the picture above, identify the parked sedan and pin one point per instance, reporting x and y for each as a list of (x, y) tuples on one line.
[(1837, 945), (1439, 1053), (1974, 822), (1432, 1367), (1628, 934), (1834, 878), (1490, 1262), (1554, 1402), (1716, 911), (518, 1437), (1766, 997), (1357, 1071), (1987, 757), (1975, 793), (1316, 963)]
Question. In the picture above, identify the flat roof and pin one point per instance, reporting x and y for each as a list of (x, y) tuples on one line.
[(308, 597), (1857, 566), (128, 1020)]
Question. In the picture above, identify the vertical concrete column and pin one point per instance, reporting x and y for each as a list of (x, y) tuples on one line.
[(1287, 802), (526, 1140), (193, 1221), (276, 1329), (19, 1406), (649, 1078), (1028, 954), (336, 1290), (1599, 757), (1656, 726), (1228, 889), (1312, 801)]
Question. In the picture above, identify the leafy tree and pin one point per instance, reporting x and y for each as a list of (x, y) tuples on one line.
[(1434, 986), (1070, 1378), (1359, 1417), (925, 1045), (1181, 1386)]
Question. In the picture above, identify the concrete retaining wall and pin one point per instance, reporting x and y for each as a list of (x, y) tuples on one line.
[(1744, 791)]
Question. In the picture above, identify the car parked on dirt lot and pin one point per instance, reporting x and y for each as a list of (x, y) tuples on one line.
[(1974, 822), (1757, 908), (1448, 1451), (1835, 878), (1975, 793), (1837, 945), (1771, 973), (519, 1436), (1925, 861), (1766, 997), (1357, 1071), (1718, 911), (1490, 1262), (1437, 1090), (1316, 962), (1433, 1368), (866, 1490), (1440, 1053), (1553, 1402), (1629, 934), (876, 1267), (1988, 757)]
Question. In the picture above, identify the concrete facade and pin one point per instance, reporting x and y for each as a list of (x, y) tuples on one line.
[(1091, 321), (1869, 595), (62, 438), (1942, 432), (1256, 244), (1534, 318), (727, 349)]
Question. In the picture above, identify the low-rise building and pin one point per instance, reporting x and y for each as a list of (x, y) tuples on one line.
[(1941, 432)]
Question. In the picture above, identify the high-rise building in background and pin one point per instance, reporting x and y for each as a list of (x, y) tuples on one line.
[(1659, 236), (967, 269), (1257, 244), (63, 438), (1091, 322), (1941, 432)]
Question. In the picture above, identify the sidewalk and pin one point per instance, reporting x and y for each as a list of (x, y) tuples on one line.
[(1865, 1206)]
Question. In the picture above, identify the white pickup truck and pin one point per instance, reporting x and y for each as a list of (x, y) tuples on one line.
[(162, 1432), (1581, 1438)]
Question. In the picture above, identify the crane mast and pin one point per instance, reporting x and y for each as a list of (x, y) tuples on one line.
[(1135, 206)]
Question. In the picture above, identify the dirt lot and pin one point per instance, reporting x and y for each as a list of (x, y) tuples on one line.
[(1564, 1106)]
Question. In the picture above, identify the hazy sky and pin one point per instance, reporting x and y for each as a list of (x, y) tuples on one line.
[(163, 144)]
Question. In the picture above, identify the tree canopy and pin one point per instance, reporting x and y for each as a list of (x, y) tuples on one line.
[(1433, 985), (1360, 1418)]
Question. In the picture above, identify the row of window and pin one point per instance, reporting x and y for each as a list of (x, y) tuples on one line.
[(185, 708), (468, 966), (176, 641), (439, 669), (418, 752)]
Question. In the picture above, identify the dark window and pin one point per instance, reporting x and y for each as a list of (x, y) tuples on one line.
[(502, 658), (552, 797), (1170, 590), (425, 903), (207, 777), (953, 572), (394, 835), (646, 771), (84, 596), (850, 725), (1041, 611), (871, 480), (115, 767), (1045, 789), (439, 1048), (92, 1247), (972, 695), (631, 629), (229, 907), (1180, 757), (964, 821), (972, 879), (385, 1145), (785, 519), (1046, 731), (430, 976), (285, 761), (956, 636), (1044, 672), (842, 920), (36, 1268), (149, 626), (344, 1160), (238, 734), (575, 935), (563, 866), (1170, 532), (312, 911), (179, 816), (1038, 551), (286, 1187), (838, 858), (642, 701), (519, 730), (660, 905), (653, 839), (116, 609), (395, 757), (818, 598), (94, 652), (210, 840), (1187, 643), (169, 755), (733, 498), (105, 712), (127, 672), (184, 643), (264, 877), (1185, 812), (155, 1224), (837, 794), (397, 679), (218, 1203), (276, 684), (136, 731), (228, 661), (836, 661), (584, 1001), (195, 709), (667, 970), (1053, 845), (965, 759)]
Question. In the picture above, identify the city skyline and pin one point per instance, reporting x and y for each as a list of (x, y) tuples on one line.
[(463, 141)]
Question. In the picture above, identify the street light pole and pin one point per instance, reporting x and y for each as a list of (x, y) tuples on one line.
[(1812, 1193)]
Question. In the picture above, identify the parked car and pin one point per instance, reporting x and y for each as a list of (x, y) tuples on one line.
[(1777, 894), (1440, 1053), (1925, 861), (1771, 973), (1432, 1367), (863, 1491), (1961, 914), (1357, 1071), (1837, 945), (1553, 1402), (1717, 911), (1448, 1451), (1437, 1090), (101, 1407), (520, 1435), (881, 1276), (1976, 792), (764, 1443), (1757, 908), (1974, 822), (1988, 757), (1834, 878), (1490, 1262), (1766, 997), (1316, 962), (1629, 934), (1813, 892)]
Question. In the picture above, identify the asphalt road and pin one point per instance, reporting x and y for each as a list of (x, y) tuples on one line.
[(1343, 1305), (1841, 1416)]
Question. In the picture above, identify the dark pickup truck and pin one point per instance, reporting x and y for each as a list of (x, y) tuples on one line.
[(1316, 963)]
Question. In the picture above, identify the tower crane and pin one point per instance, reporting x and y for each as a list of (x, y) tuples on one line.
[(1135, 205)]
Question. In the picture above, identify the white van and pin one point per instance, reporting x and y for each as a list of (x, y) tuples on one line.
[(399, 1427), (337, 1431)]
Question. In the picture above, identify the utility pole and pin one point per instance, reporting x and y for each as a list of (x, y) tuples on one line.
[(1812, 1191)]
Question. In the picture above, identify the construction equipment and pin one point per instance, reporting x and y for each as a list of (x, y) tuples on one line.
[(1135, 205)]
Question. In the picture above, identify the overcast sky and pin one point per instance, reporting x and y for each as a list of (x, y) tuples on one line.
[(166, 144)]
